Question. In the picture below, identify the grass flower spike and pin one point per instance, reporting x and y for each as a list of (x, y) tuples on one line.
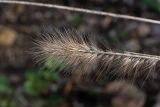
[(84, 56)]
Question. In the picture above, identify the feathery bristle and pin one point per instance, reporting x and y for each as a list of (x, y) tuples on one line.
[(84, 55)]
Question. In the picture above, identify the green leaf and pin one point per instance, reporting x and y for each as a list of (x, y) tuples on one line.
[(35, 84), (38, 103), (92, 91), (54, 64), (77, 20), (5, 86), (113, 40), (51, 69), (50, 76), (55, 100), (7, 102), (123, 35), (153, 4), (32, 74)]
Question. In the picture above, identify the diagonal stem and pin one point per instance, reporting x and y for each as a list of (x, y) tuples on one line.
[(81, 10)]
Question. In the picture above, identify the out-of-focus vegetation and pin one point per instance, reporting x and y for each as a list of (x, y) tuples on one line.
[(37, 83), (153, 4)]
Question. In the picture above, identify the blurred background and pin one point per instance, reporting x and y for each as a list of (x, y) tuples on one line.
[(25, 84)]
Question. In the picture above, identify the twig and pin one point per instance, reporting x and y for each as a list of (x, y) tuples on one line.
[(81, 10)]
